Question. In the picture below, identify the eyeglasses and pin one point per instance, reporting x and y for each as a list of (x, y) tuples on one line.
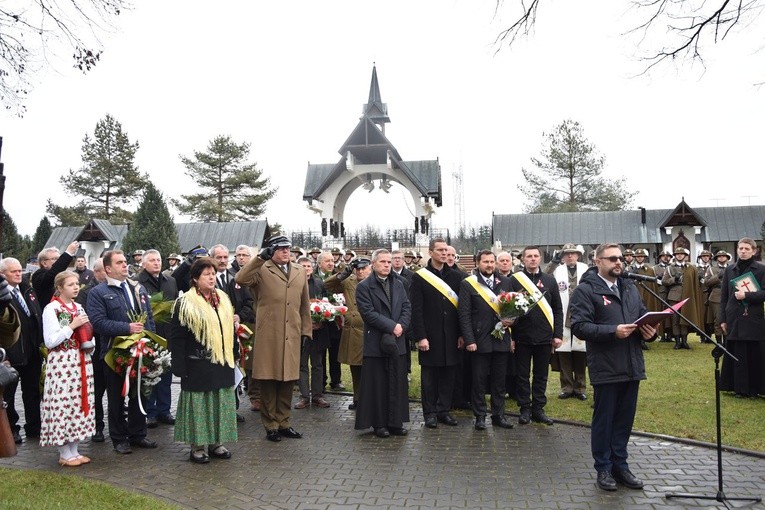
[(613, 258)]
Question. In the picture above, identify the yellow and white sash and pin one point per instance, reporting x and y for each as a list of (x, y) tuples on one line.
[(534, 291), (440, 285), (485, 292)]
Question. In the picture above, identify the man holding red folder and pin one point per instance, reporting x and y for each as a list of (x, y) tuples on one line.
[(604, 308)]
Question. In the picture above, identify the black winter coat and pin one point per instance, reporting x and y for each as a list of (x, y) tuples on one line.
[(534, 328), (435, 318), (477, 318), (752, 325), (381, 316), (595, 313)]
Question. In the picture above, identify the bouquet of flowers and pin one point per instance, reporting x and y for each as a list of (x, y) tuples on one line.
[(246, 341), (324, 311), (141, 358), (511, 306), (161, 308)]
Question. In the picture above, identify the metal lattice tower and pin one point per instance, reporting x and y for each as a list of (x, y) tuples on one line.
[(459, 203)]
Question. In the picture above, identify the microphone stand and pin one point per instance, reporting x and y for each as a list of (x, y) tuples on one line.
[(717, 352)]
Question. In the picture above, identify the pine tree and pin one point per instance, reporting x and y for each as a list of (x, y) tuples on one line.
[(232, 189), (568, 177), (13, 244), (42, 234), (107, 181), (153, 226)]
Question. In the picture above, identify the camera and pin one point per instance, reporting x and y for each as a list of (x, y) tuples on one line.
[(8, 375)]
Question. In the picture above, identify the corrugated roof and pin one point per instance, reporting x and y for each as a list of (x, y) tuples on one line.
[(318, 177), (230, 234), (722, 224)]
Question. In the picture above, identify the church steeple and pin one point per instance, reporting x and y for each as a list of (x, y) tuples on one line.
[(375, 109)]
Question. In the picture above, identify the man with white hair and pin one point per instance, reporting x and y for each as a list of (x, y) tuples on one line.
[(52, 262)]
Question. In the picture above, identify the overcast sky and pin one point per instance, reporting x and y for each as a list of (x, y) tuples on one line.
[(291, 78)]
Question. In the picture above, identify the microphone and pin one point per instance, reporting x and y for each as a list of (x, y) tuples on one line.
[(640, 277)]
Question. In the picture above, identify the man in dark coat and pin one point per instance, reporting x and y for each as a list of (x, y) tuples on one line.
[(488, 355), (386, 310), (743, 323), (159, 401), (24, 355), (311, 381), (604, 308), (108, 307), (535, 335), (436, 329), (51, 263)]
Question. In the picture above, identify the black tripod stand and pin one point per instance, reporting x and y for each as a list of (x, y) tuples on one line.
[(718, 352)]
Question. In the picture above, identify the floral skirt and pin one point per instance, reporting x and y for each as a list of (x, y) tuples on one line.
[(206, 417), (62, 418)]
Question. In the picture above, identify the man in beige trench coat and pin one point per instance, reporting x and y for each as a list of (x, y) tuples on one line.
[(283, 322)]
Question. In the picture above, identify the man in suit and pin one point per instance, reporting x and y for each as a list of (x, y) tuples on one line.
[(325, 267), (488, 355), (535, 335), (436, 329), (52, 262), (386, 311), (24, 355), (109, 307), (99, 367), (159, 401), (604, 308), (280, 290)]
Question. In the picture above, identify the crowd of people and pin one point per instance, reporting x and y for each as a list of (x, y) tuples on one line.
[(583, 320)]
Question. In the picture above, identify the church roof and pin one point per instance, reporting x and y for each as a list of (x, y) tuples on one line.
[(375, 109)]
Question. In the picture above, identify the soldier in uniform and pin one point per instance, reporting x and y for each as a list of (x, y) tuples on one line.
[(135, 266), (313, 256), (337, 254), (639, 266), (409, 260), (713, 286), (665, 327), (296, 252), (629, 259), (682, 281), (348, 257), (173, 261), (702, 266)]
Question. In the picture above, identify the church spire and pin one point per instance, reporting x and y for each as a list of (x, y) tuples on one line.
[(375, 109)]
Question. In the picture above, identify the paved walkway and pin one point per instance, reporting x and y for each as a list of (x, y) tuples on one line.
[(336, 467)]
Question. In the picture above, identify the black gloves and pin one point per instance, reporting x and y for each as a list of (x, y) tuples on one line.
[(557, 256), (5, 293), (347, 270), (267, 253)]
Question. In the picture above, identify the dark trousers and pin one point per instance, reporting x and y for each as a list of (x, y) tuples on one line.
[(158, 403), (573, 372), (29, 376), (488, 367), (532, 394), (463, 381), (121, 429), (335, 372), (437, 385), (612, 418), (356, 378), (99, 388), (311, 379)]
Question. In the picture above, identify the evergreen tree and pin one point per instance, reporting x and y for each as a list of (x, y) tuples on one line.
[(568, 177), (107, 181), (13, 244), (153, 226), (42, 234), (232, 189)]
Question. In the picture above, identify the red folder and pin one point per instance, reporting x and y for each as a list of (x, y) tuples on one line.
[(653, 318)]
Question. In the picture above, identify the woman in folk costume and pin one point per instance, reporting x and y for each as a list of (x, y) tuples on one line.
[(68, 414), (202, 346), (570, 356)]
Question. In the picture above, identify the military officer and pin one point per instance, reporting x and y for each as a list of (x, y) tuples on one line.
[(665, 327), (682, 281), (713, 286)]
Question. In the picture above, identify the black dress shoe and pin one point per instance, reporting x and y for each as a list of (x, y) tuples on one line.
[(352, 406), (525, 417), (382, 432), (152, 423), (143, 443), (606, 481), (123, 448), (431, 422), (626, 478), (291, 433), (397, 431), (580, 396), (98, 437), (17, 438), (273, 435), (337, 386), (501, 422), (199, 457), (167, 419), (448, 419), (539, 416), (480, 422), (563, 395)]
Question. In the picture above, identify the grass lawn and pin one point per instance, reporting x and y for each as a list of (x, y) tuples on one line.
[(32, 490), (677, 399)]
